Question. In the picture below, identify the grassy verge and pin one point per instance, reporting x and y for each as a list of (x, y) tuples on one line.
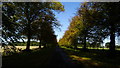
[(94, 58), (99, 48)]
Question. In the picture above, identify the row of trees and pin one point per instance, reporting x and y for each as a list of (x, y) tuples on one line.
[(93, 23), (30, 20)]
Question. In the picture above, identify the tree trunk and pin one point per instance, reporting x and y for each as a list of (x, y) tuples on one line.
[(28, 28), (75, 46), (28, 42), (74, 43), (40, 44), (29, 37), (112, 38), (45, 46), (84, 47)]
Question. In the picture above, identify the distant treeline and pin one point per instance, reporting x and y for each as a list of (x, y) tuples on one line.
[(33, 43), (93, 45)]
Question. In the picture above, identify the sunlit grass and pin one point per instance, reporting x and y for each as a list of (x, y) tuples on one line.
[(21, 47), (24, 47), (87, 62), (74, 57), (95, 48), (99, 48)]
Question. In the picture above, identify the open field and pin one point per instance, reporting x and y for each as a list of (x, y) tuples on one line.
[(31, 47), (21, 47)]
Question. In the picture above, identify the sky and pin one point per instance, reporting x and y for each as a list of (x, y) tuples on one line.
[(64, 17)]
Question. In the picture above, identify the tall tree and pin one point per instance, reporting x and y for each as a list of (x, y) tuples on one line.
[(109, 24), (113, 12), (85, 13), (27, 14)]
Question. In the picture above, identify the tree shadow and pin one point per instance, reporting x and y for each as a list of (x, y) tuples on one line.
[(95, 58)]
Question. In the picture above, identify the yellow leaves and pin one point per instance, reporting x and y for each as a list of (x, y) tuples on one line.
[(11, 5), (57, 6), (73, 30)]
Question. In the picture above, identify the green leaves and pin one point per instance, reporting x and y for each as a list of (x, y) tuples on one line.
[(9, 25)]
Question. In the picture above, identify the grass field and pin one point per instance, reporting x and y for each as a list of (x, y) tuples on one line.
[(33, 47), (21, 47), (24, 47)]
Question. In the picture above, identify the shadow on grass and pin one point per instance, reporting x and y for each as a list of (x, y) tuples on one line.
[(94, 58), (34, 59)]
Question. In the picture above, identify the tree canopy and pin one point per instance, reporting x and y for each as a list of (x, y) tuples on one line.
[(30, 20)]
